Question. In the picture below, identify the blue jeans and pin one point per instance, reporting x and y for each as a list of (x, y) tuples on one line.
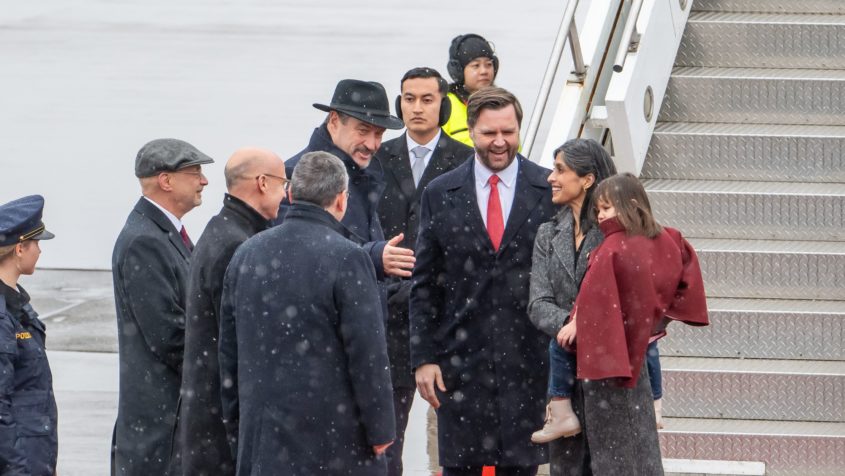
[(563, 369)]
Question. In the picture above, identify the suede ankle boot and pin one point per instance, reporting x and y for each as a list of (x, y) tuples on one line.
[(658, 413), (560, 421)]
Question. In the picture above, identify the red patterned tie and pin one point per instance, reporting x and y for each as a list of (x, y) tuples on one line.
[(185, 238), (495, 223)]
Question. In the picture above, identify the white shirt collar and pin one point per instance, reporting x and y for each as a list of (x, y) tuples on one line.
[(430, 145), (177, 223), (507, 177)]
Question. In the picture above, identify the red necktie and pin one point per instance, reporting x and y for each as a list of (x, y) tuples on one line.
[(495, 223), (185, 238)]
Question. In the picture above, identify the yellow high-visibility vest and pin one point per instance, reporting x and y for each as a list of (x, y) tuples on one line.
[(456, 126)]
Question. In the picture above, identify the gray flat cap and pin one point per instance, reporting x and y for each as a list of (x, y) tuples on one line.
[(167, 155)]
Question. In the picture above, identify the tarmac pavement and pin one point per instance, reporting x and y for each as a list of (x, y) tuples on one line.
[(78, 309)]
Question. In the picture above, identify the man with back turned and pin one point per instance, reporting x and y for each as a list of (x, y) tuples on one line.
[(302, 340)]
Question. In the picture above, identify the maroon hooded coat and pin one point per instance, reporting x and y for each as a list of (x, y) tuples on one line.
[(632, 286)]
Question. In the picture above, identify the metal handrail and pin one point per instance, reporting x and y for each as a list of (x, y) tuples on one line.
[(567, 29), (630, 37)]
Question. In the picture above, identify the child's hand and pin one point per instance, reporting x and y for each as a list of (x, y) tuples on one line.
[(566, 336)]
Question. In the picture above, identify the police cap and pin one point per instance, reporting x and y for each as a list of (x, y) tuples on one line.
[(20, 220)]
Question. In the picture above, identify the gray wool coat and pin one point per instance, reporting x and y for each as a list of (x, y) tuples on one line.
[(555, 276), (618, 431)]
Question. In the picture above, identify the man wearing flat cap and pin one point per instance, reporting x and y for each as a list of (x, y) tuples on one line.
[(357, 117), (150, 273)]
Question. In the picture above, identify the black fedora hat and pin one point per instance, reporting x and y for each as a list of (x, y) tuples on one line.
[(363, 100)]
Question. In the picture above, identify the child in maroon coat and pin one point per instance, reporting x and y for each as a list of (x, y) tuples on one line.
[(639, 278)]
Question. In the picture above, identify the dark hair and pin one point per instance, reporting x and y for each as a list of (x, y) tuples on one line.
[(628, 197), (585, 157), (491, 98), (318, 178), (426, 72)]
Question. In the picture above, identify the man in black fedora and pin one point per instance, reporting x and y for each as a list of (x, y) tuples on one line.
[(358, 115)]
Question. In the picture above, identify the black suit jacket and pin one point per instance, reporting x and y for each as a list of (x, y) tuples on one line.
[(399, 212), (469, 316), (400, 202), (202, 436), (150, 274)]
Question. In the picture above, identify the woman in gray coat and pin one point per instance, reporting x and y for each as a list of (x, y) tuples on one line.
[(559, 263)]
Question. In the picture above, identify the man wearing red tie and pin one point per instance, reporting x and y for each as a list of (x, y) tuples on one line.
[(150, 274), (478, 359)]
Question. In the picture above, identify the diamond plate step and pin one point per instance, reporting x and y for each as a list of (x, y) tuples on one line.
[(703, 151), (754, 389), (770, 6), (787, 448), (763, 329), (750, 210), (763, 40), (705, 467), (755, 95), (772, 269)]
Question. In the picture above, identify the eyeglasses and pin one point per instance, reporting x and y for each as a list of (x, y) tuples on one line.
[(285, 182), (196, 174)]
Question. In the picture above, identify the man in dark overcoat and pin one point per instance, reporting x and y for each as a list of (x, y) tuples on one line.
[(410, 162), (256, 182), (358, 115), (479, 361), (302, 340), (150, 273)]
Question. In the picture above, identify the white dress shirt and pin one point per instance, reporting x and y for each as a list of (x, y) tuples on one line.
[(507, 188), (177, 223), (430, 146)]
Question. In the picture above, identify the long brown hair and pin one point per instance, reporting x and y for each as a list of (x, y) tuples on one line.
[(628, 197)]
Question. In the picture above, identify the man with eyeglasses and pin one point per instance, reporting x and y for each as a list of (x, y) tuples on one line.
[(256, 182), (150, 272)]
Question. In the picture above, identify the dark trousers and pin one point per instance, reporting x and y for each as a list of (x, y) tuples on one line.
[(500, 471), (403, 397)]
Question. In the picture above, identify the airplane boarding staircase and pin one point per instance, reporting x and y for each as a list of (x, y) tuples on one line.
[(747, 160), (740, 145)]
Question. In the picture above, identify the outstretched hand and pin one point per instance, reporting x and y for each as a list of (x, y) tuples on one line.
[(397, 261)]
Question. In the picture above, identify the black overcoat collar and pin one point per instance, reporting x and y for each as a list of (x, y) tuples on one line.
[(321, 140), (312, 213), (530, 187), (237, 207), (150, 211)]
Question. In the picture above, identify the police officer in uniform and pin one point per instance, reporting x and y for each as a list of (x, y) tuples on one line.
[(28, 416)]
